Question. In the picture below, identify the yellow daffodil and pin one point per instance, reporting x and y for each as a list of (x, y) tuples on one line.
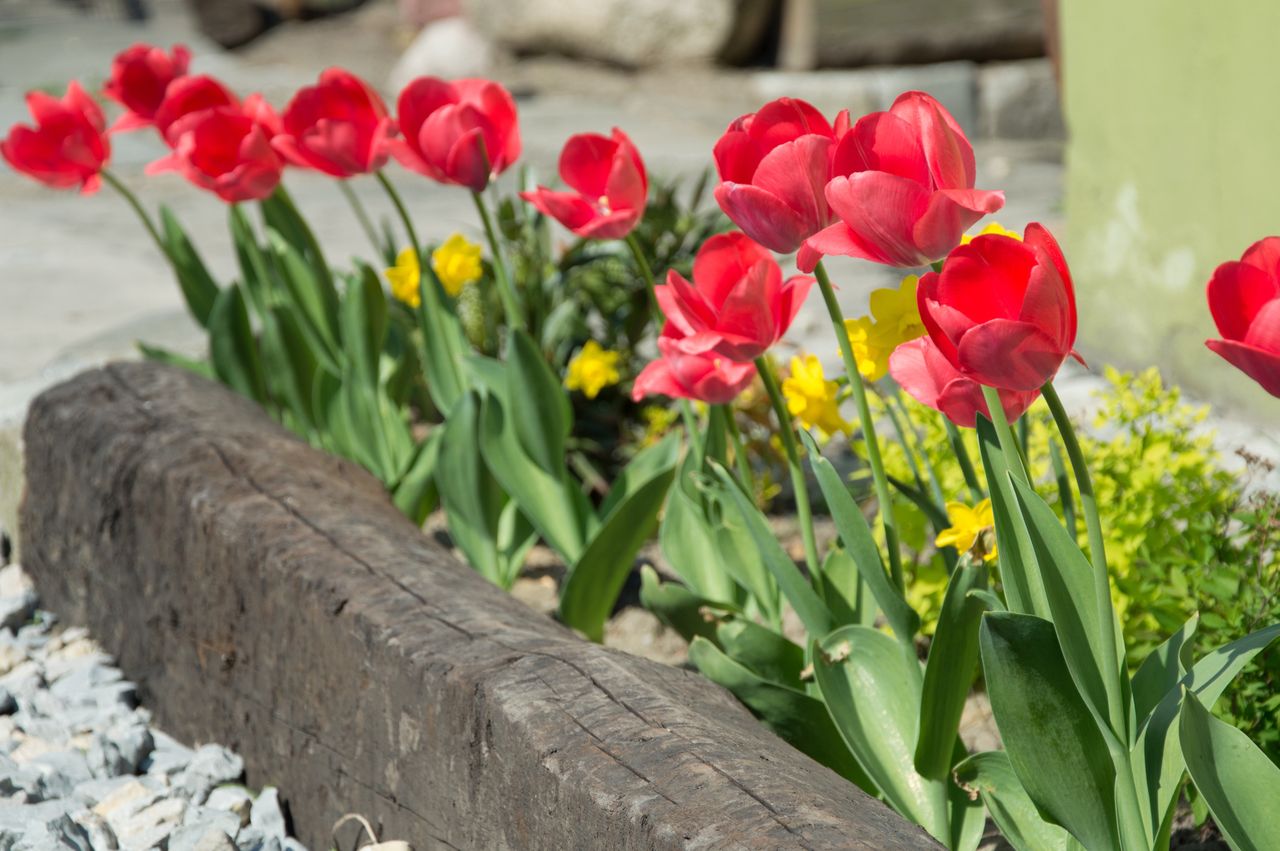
[(967, 528), (897, 312), (592, 369), (456, 263), (404, 278), (993, 228), (871, 346), (811, 398)]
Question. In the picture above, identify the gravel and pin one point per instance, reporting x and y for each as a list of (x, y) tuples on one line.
[(81, 767)]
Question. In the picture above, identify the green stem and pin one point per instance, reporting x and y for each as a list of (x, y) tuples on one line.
[(966, 463), (901, 431), (1008, 444), (740, 458), (133, 202), (1097, 552), (883, 494), (362, 216), (788, 432), (402, 211), (647, 273), (506, 290), (693, 430)]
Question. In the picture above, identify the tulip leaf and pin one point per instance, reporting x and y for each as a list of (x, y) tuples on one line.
[(199, 290), (1160, 672), (233, 349), (991, 776), (1054, 744), (447, 350), (364, 324), (1019, 574), (848, 597), (301, 359), (678, 607), (872, 691), (688, 538), (743, 560), (254, 270), (317, 307), (856, 536), (770, 654), (1237, 780), (159, 355), (950, 671), (283, 217), (800, 719), (416, 493), (813, 613), (594, 581), (473, 499), (546, 418)]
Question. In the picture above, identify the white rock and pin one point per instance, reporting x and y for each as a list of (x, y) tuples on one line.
[(235, 799), (15, 581), (448, 48), (266, 814), (147, 827), (101, 837), (11, 656), (212, 766), (124, 801), (214, 841)]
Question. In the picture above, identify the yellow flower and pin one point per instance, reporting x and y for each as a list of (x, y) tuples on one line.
[(811, 398), (456, 263), (592, 369), (993, 228), (871, 346), (657, 422), (404, 278), (967, 528), (897, 312)]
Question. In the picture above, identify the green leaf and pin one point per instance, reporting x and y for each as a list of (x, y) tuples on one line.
[(199, 367), (446, 350), (798, 718), (767, 653), (1053, 742), (473, 500), (652, 461), (254, 270), (872, 691), (317, 305), (199, 290), (534, 390), (302, 362), (845, 593), (1160, 671), (592, 586), (855, 533), (233, 348), (1238, 782), (364, 325), (283, 217), (991, 776), (813, 613), (948, 676), (689, 538), (1020, 577), (678, 607), (416, 492)]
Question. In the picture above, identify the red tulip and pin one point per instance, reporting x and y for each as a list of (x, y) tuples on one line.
[(704, 377), (66, 146), (904, 186), (609, 183), (188, 95), (738, 305), (1002, 311), (1244, 298), (338, 126), (226, 150), (462, 132), (139, 77), (928, 377), (774, 165)]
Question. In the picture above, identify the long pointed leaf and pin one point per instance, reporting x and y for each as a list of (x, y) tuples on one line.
[(991, 776)]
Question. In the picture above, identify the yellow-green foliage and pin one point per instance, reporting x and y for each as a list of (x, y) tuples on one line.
[(1181, 534)]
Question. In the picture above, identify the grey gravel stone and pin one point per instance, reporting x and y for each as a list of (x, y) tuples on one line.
[(212, 766), (213, 841), (266, 814), (17, 609), (101, 836)]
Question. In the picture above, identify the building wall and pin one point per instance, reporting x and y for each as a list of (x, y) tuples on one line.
[(1173, 166)]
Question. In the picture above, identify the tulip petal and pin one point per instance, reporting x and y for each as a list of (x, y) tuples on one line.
[(762, 216), (882, 141), (1262, 366), (627, 186), (1236, 292), (736, 155), (1265, 254), (882, 209), (785, 119), (949, 214), (838, 240), (585, 162), (1264, 331), (796, 173), (987, 279), (722, 262), (1047, 305), (792, 298), (1009, 355), (568, 208), (947, 151)]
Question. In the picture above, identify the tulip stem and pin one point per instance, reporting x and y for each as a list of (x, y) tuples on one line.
[(366, 224), (506, 290), (647, 273), (962, 457), (766, 369), (740, 459), (1097, 552), (133, 202), (402, 211), (1008, 443), (883, 495)]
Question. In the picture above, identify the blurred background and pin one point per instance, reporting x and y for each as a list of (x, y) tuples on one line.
[(1157, 109)]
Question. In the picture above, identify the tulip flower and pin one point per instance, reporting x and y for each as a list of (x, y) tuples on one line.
[(1003, 312), (226, 150), (1244, 298), (609, 187), (186, 96), (738, 305), (140, 75), (338, 126), (66, 147), (774, 165), (902, 187), (928, 377), (703, 377), (462, 132)]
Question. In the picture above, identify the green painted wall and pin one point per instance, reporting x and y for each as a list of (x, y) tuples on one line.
[(1173, 166)]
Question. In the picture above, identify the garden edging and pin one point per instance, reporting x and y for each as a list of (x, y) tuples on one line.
[(270, 597)]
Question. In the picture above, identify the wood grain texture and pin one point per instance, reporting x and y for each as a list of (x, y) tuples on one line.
[(269, 597)]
